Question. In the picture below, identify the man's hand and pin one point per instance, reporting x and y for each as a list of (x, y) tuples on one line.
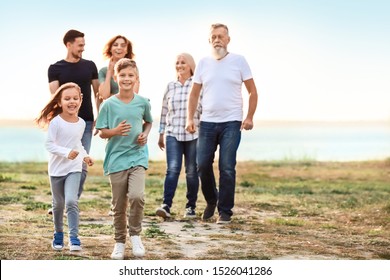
[(247, 124)]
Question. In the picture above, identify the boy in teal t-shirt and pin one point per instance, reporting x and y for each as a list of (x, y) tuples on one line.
[(125, 121)]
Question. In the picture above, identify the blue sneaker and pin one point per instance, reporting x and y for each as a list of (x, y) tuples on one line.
[(74, 244), (58, 241)]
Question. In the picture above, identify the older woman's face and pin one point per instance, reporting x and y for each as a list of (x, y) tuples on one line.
[(182, 68)]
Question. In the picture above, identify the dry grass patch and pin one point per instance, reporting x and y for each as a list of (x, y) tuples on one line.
[(284, 210)]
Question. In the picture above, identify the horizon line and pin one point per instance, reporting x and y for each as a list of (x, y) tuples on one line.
[(30, 122)]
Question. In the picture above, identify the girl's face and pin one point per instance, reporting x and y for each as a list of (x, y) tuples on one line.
[(182, 68), (127, 78), (119, 49), (70, 101)]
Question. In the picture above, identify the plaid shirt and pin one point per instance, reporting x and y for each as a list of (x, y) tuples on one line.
[(174, 111)]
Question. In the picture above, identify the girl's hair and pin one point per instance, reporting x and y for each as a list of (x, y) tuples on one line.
[(189, 60), (107, 48), (124, 63), (53, 108)]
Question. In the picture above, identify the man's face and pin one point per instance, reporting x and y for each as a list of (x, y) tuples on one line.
[(219, 38), (76, 48)]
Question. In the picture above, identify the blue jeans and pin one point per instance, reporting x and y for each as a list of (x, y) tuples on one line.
[(175, 151), (86, 141), (227, 135), (64, 191)]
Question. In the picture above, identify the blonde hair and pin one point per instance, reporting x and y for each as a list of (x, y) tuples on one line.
[(53, 108), (189, 60)]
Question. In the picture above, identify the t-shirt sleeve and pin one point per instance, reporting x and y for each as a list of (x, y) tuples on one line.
[(102, 75), (52, 74), (94, 71), (102, 119), (148, 112), (246, 72), (196, 78)]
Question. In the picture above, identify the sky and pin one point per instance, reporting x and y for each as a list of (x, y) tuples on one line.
[(311, 60)]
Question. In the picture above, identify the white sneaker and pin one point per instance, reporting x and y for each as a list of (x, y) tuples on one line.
[(119, 251), (138, 248)]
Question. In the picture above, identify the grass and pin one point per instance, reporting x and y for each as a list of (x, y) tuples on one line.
[(286, 209)]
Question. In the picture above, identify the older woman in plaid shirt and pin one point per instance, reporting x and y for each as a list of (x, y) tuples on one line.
[(178, 141)]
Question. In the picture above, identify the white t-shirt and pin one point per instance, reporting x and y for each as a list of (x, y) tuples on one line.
[(62, 138), (221, 82)]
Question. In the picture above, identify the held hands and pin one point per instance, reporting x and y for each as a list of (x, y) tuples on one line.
[(190, 126), (142, 139), (247, 124), (73, 154), (123, 128), (89, 161)]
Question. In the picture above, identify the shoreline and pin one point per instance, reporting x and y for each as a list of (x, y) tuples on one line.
[(261, 123)]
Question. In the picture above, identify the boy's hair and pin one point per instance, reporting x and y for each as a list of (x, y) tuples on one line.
[(71, 36), (52, 108), (124, 63), (107, 48)]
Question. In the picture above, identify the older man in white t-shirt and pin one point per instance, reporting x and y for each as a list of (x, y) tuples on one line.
[(220, 76)]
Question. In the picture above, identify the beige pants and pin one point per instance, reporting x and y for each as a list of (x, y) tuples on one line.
[(128, 188)]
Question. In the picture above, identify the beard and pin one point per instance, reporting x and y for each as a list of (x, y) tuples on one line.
[(218, 52), (77, 55)]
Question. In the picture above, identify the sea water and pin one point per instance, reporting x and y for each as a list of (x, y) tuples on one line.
[(267, 141)]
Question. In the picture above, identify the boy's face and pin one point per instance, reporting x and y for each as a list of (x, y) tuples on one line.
[(126, 78)]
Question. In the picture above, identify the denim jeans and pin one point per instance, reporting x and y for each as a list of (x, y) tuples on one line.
[(175, 151), (64, 191), (227, 135), (86, 142)]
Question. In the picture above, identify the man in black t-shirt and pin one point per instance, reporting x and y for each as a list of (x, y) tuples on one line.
[(84, 73)]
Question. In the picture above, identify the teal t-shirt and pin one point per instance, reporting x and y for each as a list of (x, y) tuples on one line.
[(123, 152), (102, 78)]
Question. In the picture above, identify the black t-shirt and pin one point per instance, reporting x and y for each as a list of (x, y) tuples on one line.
[(81, 73)]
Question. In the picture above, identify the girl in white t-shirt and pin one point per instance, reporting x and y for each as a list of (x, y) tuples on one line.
[(65, 130)]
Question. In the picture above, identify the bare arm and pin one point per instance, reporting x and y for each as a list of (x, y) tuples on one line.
[(105, 87), (143, 137), (53, 86), (247, 124), (122, 129), (95, 87), (192, 105)]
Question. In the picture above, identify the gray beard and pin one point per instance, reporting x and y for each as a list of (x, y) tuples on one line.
[(218, 53)]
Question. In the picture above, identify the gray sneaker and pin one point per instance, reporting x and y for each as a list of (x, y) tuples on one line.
[(224, 219), (208, 212), (163, 211)]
